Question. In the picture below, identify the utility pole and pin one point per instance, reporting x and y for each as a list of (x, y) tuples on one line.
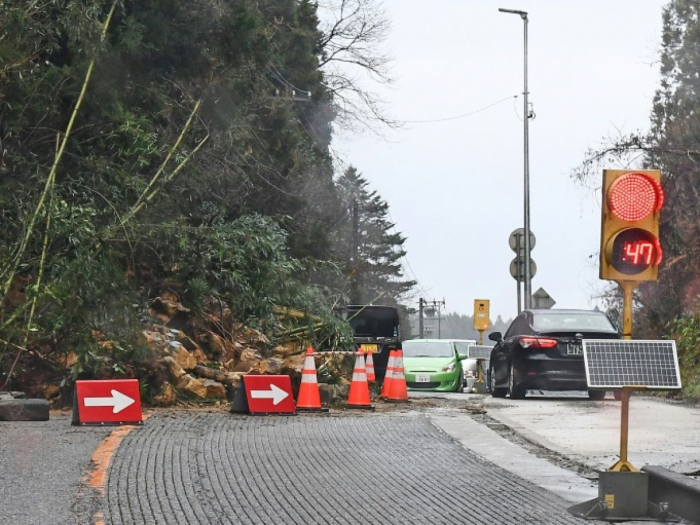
[(526, 168), (421, 302)]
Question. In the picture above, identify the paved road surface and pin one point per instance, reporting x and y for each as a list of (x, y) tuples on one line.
[(353, 468), (41, 464)]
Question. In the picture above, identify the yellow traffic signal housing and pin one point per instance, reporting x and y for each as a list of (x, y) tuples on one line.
[(629, 242), (482, 318)]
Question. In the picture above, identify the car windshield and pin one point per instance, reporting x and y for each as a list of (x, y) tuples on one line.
[(427, 349), (572, 322), (463, 346)]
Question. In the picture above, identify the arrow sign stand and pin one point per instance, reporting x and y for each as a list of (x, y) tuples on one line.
[(269, 394), (108, 402)]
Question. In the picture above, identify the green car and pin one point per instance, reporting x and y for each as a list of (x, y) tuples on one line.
[(432, 365)]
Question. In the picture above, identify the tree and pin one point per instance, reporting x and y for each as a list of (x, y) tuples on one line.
[(367, 240)]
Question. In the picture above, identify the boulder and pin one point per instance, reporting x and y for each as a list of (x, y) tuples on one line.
[(24, 410), (182, 357), (200, 356), (153, 339), (331, 394), (249, 360), (166, 396), (167, 307), (174, 369), (214, 388), (52, 392), (195, 387)]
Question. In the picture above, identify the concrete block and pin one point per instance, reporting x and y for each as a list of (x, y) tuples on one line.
[(680, 492), (24, 410)]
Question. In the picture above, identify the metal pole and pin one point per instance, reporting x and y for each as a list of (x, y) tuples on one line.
[(420, 317), (518, 277), (526, 118)]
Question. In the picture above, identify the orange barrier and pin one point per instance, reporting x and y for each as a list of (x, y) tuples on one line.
[(358, 397), (370, 368), (309, 397), (397, 389), (389, 374)]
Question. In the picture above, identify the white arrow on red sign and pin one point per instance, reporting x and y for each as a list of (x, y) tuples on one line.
[(275, 393), (118, 401)]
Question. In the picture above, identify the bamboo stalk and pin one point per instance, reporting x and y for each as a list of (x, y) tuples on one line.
[(57, 160)]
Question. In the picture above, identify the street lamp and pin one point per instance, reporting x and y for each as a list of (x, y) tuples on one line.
[(526, 118)]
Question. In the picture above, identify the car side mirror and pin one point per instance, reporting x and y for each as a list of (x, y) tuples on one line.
[(496, 336), (462, 357)]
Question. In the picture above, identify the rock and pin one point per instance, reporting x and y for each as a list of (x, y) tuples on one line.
[(200, 356), (214, 388), (24, 410), (333, 393), (167, 307), (182, 357), (249, 359), (152, 340), (174, 369), (271, 366), (169, 296), (195, 387), (188, 343), (166, 396), (283, 351), (158, 316), (68, 360), (52, 392)]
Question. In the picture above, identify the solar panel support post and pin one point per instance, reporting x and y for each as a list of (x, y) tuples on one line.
[(481, 337), (628, 291), (623, 465)]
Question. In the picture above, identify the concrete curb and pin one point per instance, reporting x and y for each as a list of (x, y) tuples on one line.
[(681, 492), (24, 410)]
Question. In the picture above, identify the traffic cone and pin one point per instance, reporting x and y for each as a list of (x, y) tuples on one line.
[(398, 390), (358, 397), (369, 362), (389, 374), (309, 397)]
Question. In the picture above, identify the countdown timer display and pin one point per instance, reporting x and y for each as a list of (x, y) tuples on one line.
[(634, 250)]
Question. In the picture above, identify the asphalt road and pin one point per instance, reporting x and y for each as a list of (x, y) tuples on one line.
[(194, 467), (41, 464)]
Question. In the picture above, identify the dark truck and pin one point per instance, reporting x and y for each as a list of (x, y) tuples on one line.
[(376, 330)]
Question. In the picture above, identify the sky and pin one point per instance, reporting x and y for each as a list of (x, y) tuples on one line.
[(455, 188)]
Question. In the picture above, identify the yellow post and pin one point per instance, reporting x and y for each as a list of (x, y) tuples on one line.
[(481, 337), (623, 465), (627, 289)]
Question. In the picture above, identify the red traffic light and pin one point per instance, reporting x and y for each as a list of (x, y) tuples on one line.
[(635, 196)]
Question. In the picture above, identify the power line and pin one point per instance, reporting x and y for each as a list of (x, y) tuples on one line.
[(456, 117)]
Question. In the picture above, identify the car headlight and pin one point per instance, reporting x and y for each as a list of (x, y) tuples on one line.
[(450, 368)]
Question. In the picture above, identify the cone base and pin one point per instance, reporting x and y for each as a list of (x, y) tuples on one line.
[(396, 400), (320, 409), (361, 407)]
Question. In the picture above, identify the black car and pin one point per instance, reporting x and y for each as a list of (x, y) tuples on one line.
[(542, 350)]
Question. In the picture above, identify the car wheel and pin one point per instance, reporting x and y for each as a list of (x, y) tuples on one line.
[(516, 391), (596, 395), (495, 391)]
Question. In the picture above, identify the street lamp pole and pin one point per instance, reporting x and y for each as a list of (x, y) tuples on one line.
[(526, 168)]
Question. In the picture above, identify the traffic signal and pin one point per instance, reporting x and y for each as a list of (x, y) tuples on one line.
[(629, 241)]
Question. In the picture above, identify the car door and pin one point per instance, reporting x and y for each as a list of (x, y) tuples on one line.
[(518, 327)]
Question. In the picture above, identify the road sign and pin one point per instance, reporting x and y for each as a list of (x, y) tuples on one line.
[(269, 394), (614, 363), (514, 269), (541, 299), (107, 402), (516, 241), (482, 319)]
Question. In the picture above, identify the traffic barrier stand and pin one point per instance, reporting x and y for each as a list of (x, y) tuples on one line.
[(358, 397), (389, 374), (398, 392), (369, 363), (309, 398)]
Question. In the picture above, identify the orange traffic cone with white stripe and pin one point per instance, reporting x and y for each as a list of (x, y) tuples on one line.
[(309, 397), (398, 390), (358, 397), (389, 374), (369, 363)]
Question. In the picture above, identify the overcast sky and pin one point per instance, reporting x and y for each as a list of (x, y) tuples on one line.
[(455, 188)]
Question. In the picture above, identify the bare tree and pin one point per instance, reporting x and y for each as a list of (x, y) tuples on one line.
[(351, 57)]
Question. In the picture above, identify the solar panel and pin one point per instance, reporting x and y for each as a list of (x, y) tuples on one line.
[(613, 363), (479, 351)]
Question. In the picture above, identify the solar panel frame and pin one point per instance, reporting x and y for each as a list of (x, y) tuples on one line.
[(479, 352), (669, 374)]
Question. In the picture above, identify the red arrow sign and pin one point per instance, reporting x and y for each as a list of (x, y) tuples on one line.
[(107, 402), (269, 394)]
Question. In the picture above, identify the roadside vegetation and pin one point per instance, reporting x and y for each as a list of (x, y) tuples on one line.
[(671, 306), (181, 150)]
